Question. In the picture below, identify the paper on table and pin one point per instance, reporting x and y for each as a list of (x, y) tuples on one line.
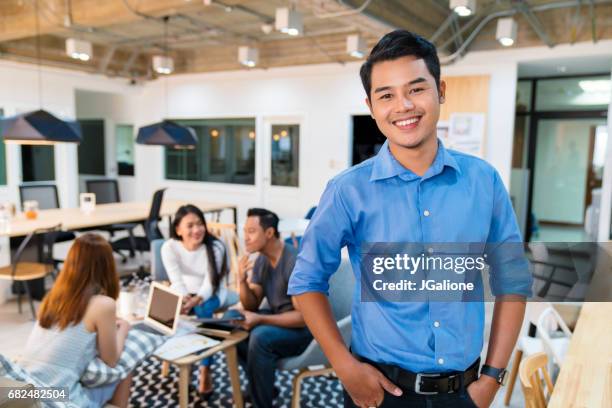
[(181, 346)]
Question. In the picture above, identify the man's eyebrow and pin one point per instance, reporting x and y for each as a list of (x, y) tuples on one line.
[(414, 81)]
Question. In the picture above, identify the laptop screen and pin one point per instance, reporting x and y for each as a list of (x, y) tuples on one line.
[(163, 307)]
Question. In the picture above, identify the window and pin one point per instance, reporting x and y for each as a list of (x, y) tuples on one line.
[(285, 155), (91, 148), (2, 155), (573, 94), (124, 149), (37, 163), (225, 152), (523, 96)]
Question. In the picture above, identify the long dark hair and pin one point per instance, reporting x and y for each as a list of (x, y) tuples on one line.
[(209, 241)]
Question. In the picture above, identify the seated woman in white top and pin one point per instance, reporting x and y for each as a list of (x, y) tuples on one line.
[(195, 262), (78, 321)]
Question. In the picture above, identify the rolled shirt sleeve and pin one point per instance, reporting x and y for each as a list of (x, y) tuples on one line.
[(509, 269), (328, 231)]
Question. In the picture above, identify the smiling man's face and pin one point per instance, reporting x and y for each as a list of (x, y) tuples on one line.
[(405, 102)]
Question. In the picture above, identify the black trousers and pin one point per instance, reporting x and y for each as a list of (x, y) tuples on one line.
[(409, 399), (460, 399)]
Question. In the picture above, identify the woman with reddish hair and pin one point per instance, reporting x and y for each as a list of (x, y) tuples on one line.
[(77, 321)]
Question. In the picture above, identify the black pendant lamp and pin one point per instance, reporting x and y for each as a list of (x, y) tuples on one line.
[(167, 132), (39, 127)]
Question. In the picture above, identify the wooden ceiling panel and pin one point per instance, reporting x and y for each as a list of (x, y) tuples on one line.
[(206, 38)]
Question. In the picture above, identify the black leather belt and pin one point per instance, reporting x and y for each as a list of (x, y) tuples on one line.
[(427, 384)]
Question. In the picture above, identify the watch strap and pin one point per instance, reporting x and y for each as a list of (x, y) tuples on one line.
[(498, 373)]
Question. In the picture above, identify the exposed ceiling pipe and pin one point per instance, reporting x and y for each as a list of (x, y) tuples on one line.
[(593, 24), (344, 13), (238, 7), (104, 63), (535, 23), (447, 22), (550, 6)]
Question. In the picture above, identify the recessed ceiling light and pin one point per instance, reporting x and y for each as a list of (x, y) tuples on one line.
[(248, 56), (595, 85), (356, 46), (289, 21), (79, 49), (163, 64), (506, 31), (267, 28), (463, 8)]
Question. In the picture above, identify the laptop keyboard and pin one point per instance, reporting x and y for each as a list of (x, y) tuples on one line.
[(148, 329)]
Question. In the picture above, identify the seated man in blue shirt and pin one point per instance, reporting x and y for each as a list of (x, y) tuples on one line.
[(413, 191), (278, 331)]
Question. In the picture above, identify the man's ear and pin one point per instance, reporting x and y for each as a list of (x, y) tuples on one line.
[(442, 91), (367, 101), (269, 233)]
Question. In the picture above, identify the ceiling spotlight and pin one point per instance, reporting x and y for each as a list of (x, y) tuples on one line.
[(251, 135), (506, 31), (79, 49), (289, 21), (163, 64), (595, 85), (463, 8), (267, 28), (248, 56), (356, 46), (214, 133)]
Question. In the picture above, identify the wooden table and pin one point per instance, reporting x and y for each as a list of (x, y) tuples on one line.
[(228, 346), (104, 214), (585, 380)]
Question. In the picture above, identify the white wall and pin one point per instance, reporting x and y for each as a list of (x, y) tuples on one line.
[(19, 93), (115, 109), (324, 96)]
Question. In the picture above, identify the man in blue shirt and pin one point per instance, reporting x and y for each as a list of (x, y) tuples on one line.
[(413, 191)]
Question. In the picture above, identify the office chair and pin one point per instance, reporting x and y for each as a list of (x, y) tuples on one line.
[(22, 272), (48, 199), (107, 192), (151, 228)]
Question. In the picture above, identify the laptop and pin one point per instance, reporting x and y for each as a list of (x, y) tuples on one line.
[(162, 318), (163, 310)]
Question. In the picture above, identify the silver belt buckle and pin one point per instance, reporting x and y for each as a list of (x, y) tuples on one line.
[(417, 384)]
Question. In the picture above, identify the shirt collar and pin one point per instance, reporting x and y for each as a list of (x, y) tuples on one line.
[(387, 166)]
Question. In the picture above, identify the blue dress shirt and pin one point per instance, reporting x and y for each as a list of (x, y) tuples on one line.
[(460, 199)]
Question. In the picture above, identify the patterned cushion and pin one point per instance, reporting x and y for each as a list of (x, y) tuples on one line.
[(11, 370), (138, 346)]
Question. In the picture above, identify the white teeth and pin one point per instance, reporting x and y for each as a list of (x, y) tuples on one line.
[(407, 122)]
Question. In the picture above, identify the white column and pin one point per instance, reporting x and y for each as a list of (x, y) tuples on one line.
[(67, 174), (606, 187)]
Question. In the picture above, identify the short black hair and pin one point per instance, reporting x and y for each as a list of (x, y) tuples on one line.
[(267, 219), (398, 44)]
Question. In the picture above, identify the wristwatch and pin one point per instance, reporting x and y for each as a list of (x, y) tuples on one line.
[(498, 373)]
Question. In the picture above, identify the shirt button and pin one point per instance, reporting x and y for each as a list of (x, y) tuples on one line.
[(440, 361), (426, 213), (437, 324)]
